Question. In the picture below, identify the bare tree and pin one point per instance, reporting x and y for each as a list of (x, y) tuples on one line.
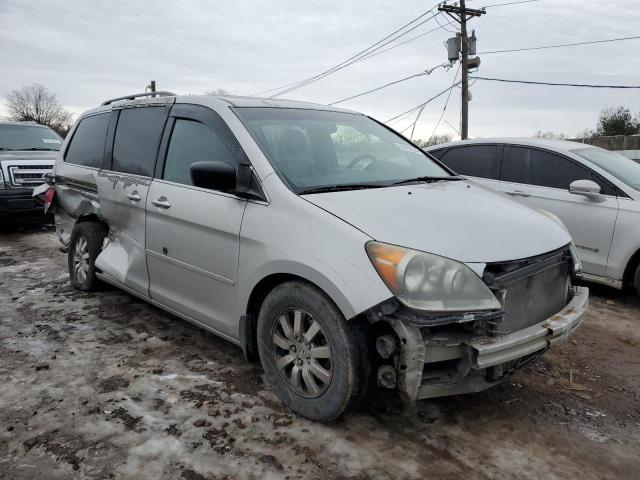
[(434, 140), (549, 135), (217, 91), (36, 103)]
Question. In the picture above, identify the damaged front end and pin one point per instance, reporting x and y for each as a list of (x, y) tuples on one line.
[(433, 355)]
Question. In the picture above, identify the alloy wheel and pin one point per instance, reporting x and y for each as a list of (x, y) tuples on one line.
[(302, 353), (81, 260)]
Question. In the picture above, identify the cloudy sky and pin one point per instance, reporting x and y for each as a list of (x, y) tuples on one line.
[(88, 51)]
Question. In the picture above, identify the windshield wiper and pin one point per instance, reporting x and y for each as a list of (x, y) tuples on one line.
[(426, 179), (340, 188), (39, 149)]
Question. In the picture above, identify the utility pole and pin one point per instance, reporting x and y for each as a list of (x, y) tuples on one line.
[(461, 14)]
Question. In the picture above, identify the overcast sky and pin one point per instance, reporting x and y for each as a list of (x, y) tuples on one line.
[(88, 51)]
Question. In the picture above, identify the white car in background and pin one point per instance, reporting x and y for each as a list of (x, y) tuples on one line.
[(595, 192)]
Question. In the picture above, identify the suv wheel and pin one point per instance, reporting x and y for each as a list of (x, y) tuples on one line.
[(314, 359), (84, 247), (636, 279)]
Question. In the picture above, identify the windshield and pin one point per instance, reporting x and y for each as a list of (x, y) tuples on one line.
[(316, 149), (619, 166), (28, 137)]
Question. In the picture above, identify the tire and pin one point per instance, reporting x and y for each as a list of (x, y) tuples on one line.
[(84, 247), (636, 280), (338, 347)]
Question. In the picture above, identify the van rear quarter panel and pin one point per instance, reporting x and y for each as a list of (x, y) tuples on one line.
[(293, 236)]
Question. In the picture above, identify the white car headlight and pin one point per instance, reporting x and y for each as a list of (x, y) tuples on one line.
[(428, 282)]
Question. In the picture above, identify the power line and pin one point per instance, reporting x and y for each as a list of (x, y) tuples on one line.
[(426, 72), (425, 103), (508, 3), (392, 36), (443, 26), (529, 82), (373, 54), (378, 45), (445, 103), (559, 45)]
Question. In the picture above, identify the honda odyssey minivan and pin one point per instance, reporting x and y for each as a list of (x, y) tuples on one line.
[(327, 246)]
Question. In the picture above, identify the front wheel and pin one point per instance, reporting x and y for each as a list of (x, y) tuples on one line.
[(313, 358)]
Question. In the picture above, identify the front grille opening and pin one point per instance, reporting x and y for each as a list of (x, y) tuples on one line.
[(28, 174), (445, 372), (531, 290)]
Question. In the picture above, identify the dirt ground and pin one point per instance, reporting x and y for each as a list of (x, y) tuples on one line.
[(105, 386)]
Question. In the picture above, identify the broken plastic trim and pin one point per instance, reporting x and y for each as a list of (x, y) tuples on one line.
[(392, 309)]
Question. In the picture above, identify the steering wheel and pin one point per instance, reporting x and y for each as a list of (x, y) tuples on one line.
[(362, 159)]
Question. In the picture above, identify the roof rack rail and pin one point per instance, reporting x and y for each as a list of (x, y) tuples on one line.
[(137, 95)]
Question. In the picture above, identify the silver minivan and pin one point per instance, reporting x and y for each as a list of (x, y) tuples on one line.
[(327, 246)]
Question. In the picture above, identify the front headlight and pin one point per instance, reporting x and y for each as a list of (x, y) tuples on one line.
[(428, 282)]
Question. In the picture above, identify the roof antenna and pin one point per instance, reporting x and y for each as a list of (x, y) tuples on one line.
[(151, 87)]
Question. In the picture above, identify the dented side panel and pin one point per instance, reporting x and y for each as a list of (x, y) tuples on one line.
[(76, 197), (122, 203)]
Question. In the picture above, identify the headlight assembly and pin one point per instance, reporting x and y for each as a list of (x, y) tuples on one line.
[(428, 282)]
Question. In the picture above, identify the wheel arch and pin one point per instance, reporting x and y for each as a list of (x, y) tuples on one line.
[(91, 217), (248, 321), (630, 269)]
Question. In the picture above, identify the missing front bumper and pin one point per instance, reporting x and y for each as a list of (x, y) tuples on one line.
[(441, 365)]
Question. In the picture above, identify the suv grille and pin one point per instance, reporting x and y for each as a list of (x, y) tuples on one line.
[(27, 175), (532, 289)]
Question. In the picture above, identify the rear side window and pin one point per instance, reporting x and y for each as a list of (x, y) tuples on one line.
[(192, 141), (87, 145), (538, 167), (438, 153), (474, 161), (138, 133)]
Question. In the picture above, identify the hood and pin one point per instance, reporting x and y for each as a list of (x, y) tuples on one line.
[(20, 155), (455, 219)]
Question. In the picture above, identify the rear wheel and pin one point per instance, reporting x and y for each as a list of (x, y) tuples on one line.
[(311, 355), (84, 247)]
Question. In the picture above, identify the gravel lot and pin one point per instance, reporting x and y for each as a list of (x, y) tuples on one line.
[(105, 386)]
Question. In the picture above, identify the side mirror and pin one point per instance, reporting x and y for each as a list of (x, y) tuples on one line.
[(214, 176), (588, 188)]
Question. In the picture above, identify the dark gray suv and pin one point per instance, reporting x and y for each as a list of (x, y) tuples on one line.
[(27, 152)]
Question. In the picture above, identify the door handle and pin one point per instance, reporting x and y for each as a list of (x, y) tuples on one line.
[(518, 193), (161, 203), (134, 197)]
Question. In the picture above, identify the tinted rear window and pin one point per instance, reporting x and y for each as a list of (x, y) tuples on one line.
[(87, 145), (474, 160), (137, 139)]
